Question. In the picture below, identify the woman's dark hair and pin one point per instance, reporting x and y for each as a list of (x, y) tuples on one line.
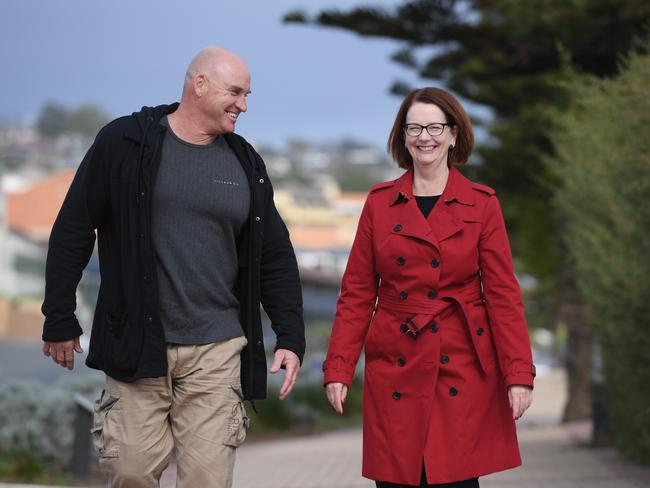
[(455, 114)]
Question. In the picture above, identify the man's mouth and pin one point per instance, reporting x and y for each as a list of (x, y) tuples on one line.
[(232, 115)]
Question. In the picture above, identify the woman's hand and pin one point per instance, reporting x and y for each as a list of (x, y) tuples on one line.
[(520, 397), (336, 393)]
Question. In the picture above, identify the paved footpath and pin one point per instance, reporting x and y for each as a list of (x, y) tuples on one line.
[(554, 456)]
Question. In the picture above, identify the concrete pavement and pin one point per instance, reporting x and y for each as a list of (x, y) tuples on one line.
[(551, 454), (554, 456)]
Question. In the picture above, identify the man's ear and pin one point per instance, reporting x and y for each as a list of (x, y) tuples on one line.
[(200, 85)]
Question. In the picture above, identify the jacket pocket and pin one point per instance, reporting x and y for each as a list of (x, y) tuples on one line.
[(101, 438), (123, 340), (237, 422)]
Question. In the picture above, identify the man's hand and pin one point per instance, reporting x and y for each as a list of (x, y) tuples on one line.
[(336, 393), (520, 397), (62, 352), (289, 360)]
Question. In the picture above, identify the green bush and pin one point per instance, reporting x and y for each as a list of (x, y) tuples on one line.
[(603, 169), (36, 426), (305, 410)]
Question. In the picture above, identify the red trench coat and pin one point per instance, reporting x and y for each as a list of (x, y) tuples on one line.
[(438, 308)]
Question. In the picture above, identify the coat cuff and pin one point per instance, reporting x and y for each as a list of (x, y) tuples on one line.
[(337, 372), (521, 376)]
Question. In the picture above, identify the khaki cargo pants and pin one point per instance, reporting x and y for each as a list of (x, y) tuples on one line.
[(196, 409)]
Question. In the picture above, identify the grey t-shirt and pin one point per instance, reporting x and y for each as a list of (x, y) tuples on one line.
[(200, 203)]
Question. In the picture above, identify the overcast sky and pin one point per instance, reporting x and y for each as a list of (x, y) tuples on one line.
[(307, 82)]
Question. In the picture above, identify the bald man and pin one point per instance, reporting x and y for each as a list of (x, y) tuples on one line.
[(190, 243)]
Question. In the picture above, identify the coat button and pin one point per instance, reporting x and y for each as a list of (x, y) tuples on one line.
[(397, 228), (259, 343), (432, 294), (403, 295), (453, 391), (433, 328), (444, 359), (397, 395), (257, 219), (479, 331), (404, 328), (401, 361), (400, 261), (261, 180), (435, 263), (149, 318)]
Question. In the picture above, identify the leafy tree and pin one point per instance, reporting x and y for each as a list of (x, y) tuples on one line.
[(508, 55), (603, 188), (54, 120), (86, 120), (51, 121)]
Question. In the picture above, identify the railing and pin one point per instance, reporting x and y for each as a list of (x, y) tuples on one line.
[(83, 450)]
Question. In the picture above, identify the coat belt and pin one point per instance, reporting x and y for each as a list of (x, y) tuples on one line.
[(421, 312)]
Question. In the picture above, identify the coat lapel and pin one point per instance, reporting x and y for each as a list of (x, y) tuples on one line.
[(410, 222), (443, 221), (458, 193)]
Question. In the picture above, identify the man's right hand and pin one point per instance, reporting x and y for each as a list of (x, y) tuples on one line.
[(336, 393), (62, 352)]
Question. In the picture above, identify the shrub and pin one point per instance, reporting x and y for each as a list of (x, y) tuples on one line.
[(603, 169)]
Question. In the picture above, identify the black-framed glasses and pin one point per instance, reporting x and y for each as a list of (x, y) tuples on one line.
[(415, 130)]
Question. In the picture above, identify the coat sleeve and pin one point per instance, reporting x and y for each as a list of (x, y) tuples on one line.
[(281, 292), (71, 243), (355, 305), (503, 297)]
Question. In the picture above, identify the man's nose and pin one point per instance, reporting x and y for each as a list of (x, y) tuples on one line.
[(241, 104)]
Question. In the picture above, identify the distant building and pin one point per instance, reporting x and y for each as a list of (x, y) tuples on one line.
[(28, 213)]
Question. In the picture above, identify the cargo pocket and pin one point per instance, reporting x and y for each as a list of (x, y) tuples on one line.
[(101, 410), (238, 421)]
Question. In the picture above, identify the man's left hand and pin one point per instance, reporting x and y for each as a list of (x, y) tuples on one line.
[(289, 360)]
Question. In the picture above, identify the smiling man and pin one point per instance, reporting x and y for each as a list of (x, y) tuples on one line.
[(190, 243)]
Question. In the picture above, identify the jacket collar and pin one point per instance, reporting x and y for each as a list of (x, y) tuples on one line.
[(458, 188), (148, 121)]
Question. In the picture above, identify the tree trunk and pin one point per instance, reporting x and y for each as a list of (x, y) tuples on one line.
[(571, 311)]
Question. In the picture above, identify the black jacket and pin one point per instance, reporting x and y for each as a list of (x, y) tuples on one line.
[(111, 193)]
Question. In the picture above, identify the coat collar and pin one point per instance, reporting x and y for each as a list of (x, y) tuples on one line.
[(458, 188), (443, 221)]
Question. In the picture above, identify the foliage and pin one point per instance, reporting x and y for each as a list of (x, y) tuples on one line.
[(55, 120), (36, 418), (51, 121), (355, 179), (305, 410), (86, 120), (603, 190), (36, 426)]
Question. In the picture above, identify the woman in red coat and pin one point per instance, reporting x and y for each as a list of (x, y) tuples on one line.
[(430, 291)]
